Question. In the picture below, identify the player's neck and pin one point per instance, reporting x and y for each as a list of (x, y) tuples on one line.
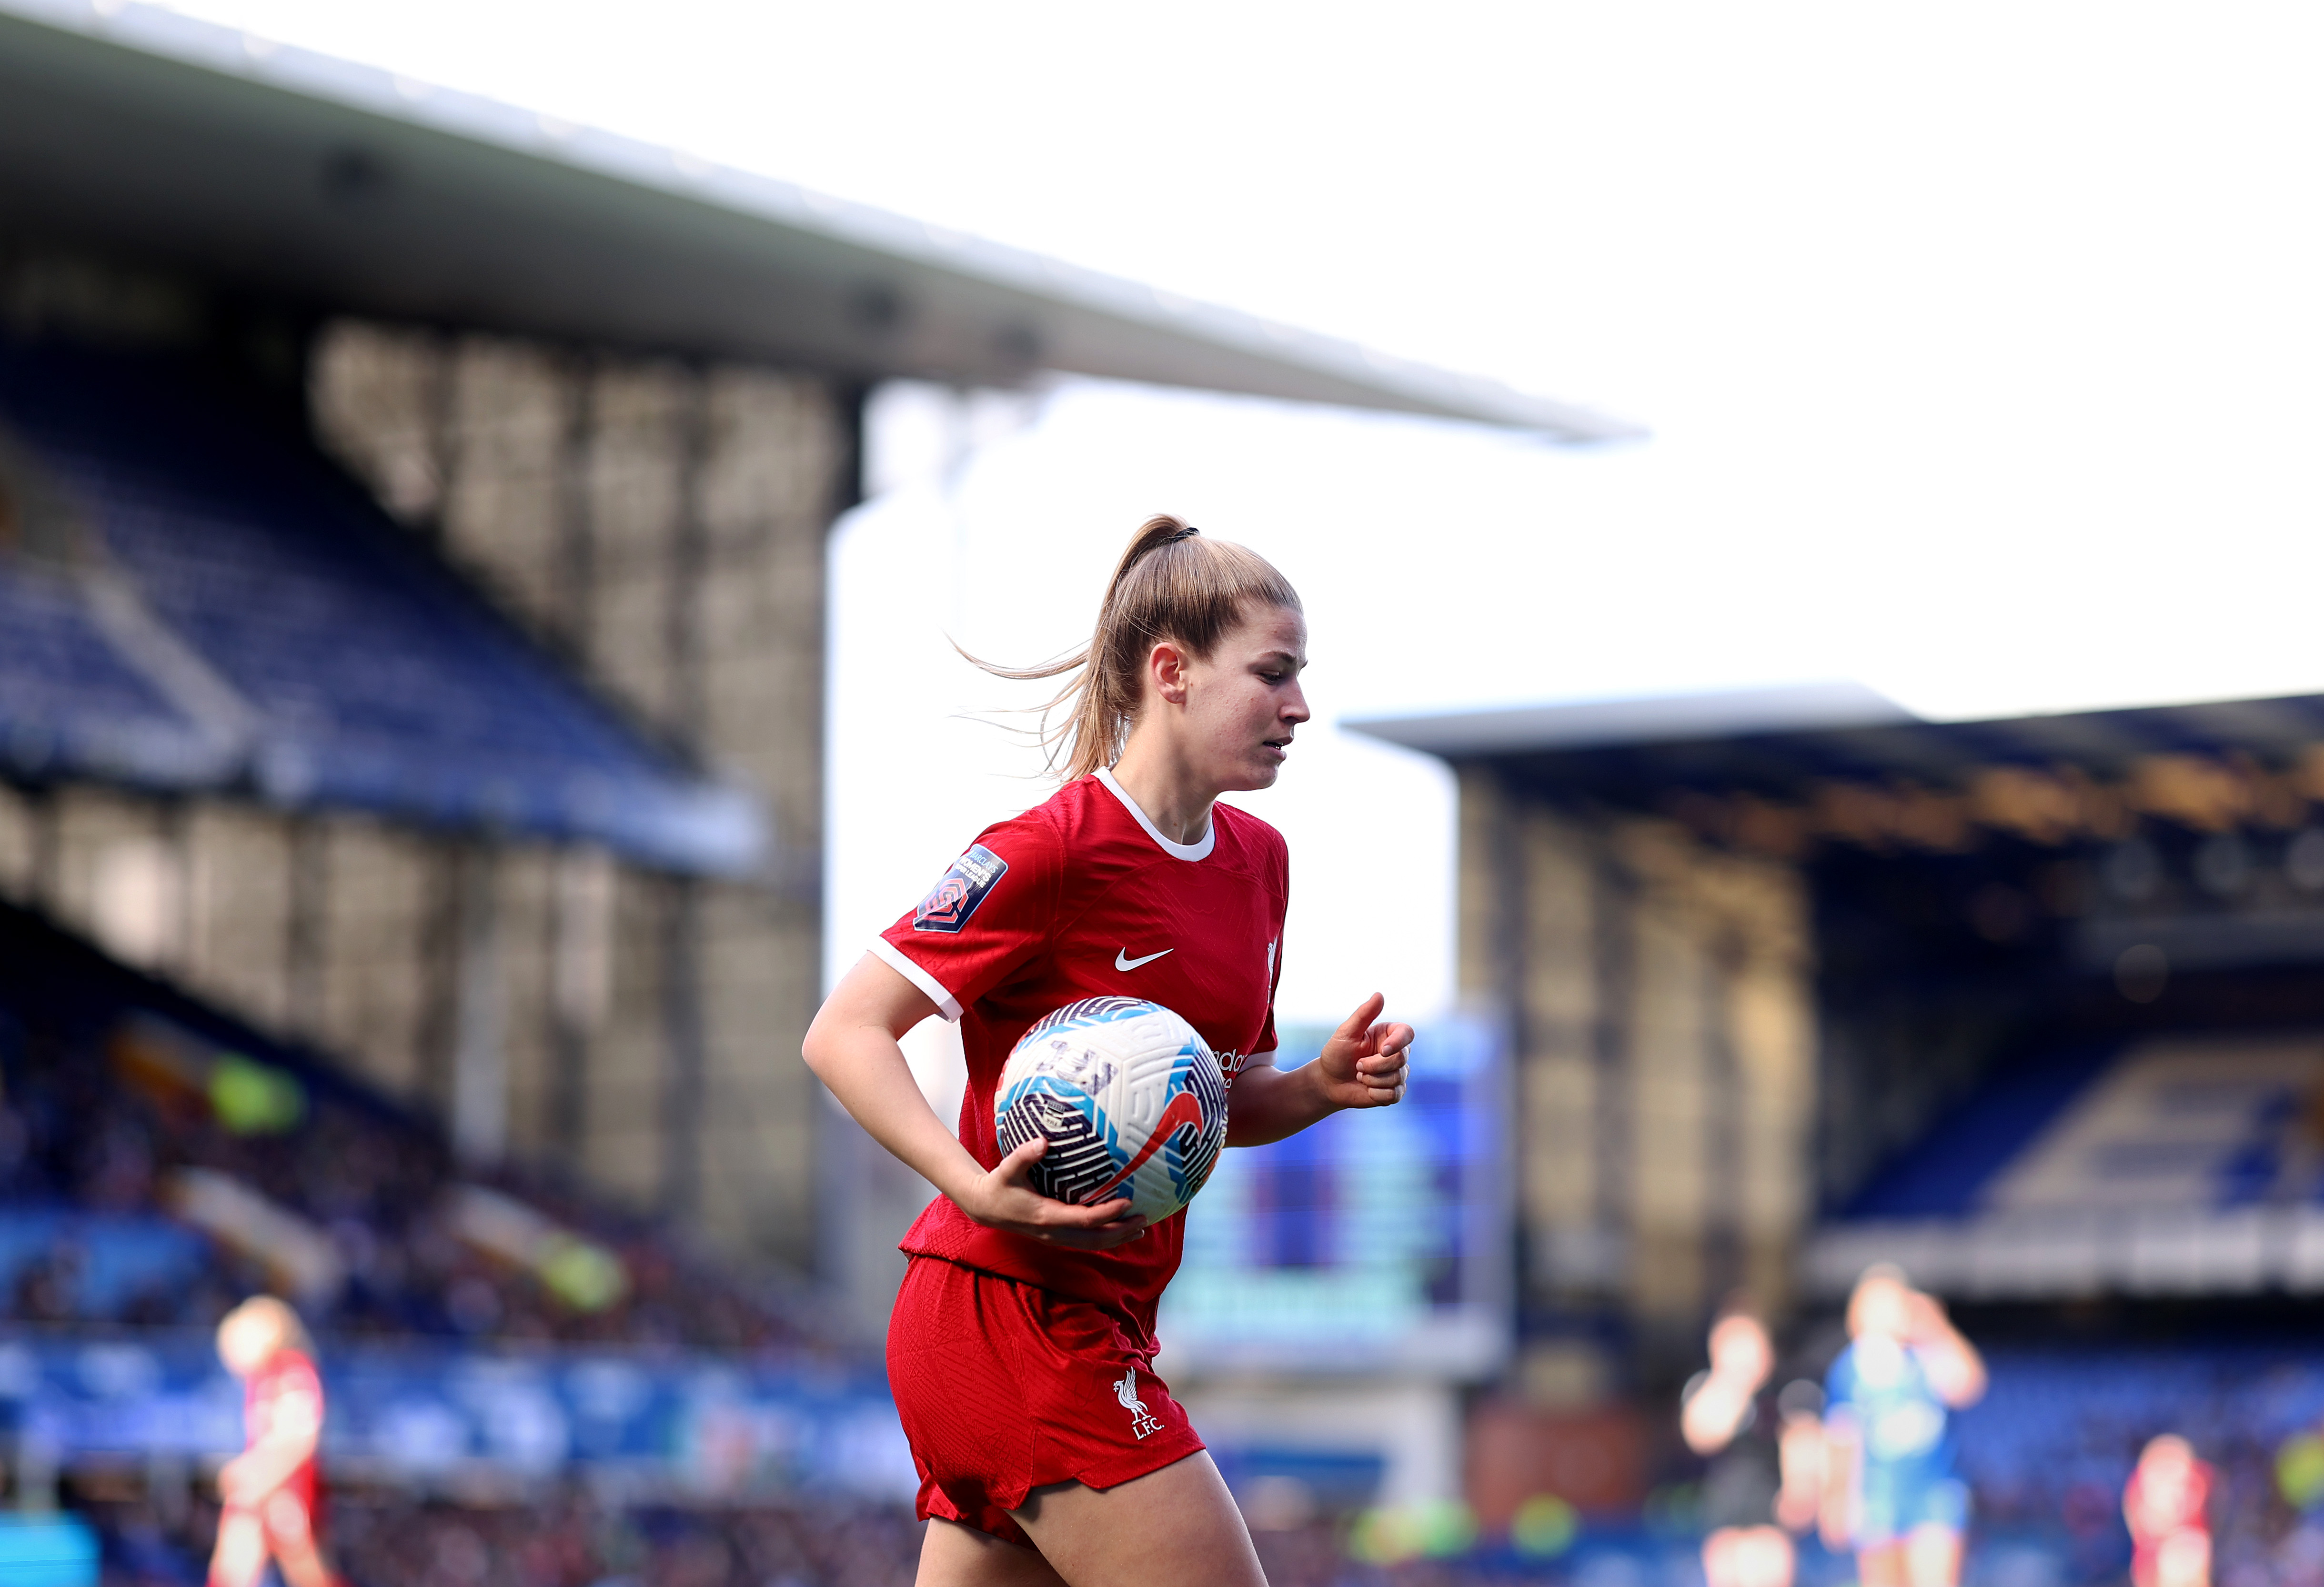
[(1177, 805)]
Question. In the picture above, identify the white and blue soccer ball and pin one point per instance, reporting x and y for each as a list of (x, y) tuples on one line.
[(1131, 1097)]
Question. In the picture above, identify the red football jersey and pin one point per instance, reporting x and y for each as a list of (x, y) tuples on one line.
[(2155, 1516), (287, 1385), (280, 1386), (1079, 897)]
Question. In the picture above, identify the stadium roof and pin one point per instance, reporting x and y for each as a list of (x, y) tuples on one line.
[(274, 169), (1787, 744), (1645, 719)]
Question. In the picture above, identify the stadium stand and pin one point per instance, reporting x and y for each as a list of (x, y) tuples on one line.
[(205, 602), (157, 1159), (489, 1343), (2049, 1450), (496, 1419), (2171, 1164)]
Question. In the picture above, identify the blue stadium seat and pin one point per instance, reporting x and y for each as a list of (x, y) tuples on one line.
[(378, 679)]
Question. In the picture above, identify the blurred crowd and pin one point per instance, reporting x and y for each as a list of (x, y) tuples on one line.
[(569, 1540), (574, 1540), (150, 1176), (309, 1186), (2053, 1456)]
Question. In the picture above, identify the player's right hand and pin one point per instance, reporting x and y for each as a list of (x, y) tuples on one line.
[(1930, 1323), (1005, 1199)]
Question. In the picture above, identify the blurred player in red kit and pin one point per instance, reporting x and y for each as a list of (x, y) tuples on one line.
[(268, 1490), (2167, 1503), (1021, 1349)]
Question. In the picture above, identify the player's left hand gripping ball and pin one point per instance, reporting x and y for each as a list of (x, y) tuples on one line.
[(1130, 1099), (1363, 1063)]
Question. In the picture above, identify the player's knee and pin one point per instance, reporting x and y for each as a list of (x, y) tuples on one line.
[(241, 1552), (2184, 1560), (1763, 1559), (286, 1518)]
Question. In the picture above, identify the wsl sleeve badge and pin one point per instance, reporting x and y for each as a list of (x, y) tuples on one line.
[(1130, 1098), (955, 896)]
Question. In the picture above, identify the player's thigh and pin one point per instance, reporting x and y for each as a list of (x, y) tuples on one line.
[(1882, 1565), (302, 1563), (1932, 1555), (1719, 1557), (287, 1520), (1763, 1557), (290, 1526), (1175, 1528), (953, 1555), (241, 1552), (2183, 1559)]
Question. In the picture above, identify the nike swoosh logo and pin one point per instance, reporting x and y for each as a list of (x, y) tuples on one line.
[(1186, 1108), (1122, 961)]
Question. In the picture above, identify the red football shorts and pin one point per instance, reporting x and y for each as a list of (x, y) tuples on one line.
[(1003, 1388)]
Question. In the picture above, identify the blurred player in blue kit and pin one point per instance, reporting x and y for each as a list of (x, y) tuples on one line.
[(1891, 1491)]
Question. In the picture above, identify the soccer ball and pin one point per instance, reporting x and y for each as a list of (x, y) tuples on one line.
[(1131, 1097)]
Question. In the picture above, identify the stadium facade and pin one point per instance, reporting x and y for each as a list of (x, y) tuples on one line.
[(1798, 982), (502, 779)]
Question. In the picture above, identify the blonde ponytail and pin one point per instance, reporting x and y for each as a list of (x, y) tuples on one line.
[(1172, 584)]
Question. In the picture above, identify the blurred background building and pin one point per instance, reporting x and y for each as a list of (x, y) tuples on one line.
[(413, 662), (412, 519), (606, 405), (1796, 984)]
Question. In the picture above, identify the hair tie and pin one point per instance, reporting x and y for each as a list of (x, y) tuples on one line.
[(1183, 534)]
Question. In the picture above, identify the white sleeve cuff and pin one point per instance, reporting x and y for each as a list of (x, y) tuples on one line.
[(896, 959), (1264, 1060)]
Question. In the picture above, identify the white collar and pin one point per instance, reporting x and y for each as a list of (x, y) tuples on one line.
[(1199, 850)]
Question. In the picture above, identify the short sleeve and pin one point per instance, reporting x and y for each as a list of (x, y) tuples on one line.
[(1840, 1383), (1279, 903), (1267, 1040), (990, 912)]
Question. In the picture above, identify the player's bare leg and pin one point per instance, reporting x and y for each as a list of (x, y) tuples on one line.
[(241, 1552), (1175, 1528), (953, 1555), (2184, 1560), (1933, 1556), (1882, 1565), (305, 1567), (290, 1533), (1747, 1556)]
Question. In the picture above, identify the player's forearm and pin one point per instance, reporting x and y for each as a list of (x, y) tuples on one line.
[(1838, 1479), (1708, 1420), (1268, 1104), (1958, 1371), (867, 1071)]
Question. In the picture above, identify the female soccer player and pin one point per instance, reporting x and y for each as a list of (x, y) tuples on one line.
[(268, 1490), (1022, 1345), (1765, 1453), (2167, 1506), (1891, 1488)]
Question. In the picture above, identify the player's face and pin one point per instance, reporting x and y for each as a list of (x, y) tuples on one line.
[(1882, 1306), (247, 1340), (1741, 1345), (1243, 701), (2166, 1460)]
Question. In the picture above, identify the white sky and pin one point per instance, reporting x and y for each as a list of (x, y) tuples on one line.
[(1981, 343)]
